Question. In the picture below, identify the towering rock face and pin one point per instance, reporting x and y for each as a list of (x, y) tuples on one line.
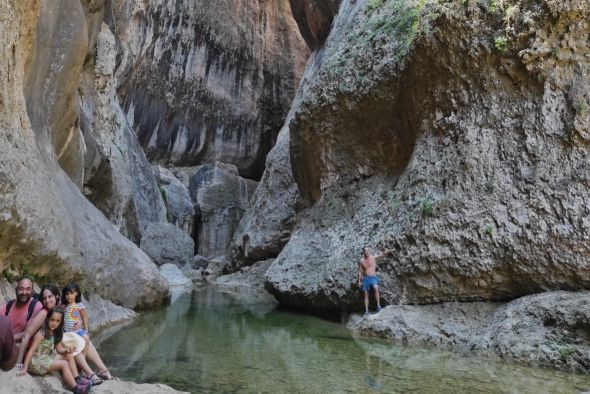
[(221, 196), (268, 222), (118, 179), (208, 81), (455, 134), (314, 19), (47, 226)]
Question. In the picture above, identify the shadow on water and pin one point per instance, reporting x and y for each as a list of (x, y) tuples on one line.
[(210, 342)]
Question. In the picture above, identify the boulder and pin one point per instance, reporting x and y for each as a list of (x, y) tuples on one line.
[(214, 270), (196, 275), (179, 282), (103, 313), (166, 243), (221, 196), (179, 207), (175, 276), (548, 329), (248, 285), (200, 262)]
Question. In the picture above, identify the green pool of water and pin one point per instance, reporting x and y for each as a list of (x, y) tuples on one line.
[(210, 342)]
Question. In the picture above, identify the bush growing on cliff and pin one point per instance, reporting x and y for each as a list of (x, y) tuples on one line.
[(582, 107), (427, 207), (374, 4), (385, 28), (501, 43)]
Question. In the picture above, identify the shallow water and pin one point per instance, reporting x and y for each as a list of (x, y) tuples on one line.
[(210, 342)]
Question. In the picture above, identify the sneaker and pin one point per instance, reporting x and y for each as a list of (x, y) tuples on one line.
[(82, 388), (81, 379), (366, 313), (379, 309)]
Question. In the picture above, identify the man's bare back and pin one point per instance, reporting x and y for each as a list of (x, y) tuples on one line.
[(367, 276)]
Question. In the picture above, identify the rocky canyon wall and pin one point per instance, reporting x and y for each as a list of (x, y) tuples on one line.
[(454, 134), (48, 227), (208, 81)]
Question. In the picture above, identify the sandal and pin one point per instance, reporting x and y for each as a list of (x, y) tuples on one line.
[(105, 374), (96, 380)]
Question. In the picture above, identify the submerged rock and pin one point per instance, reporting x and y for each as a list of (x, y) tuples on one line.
[(247, 286)]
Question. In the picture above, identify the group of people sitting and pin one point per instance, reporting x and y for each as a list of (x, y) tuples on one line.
[(42, 335)]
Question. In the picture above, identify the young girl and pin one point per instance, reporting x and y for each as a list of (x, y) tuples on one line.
[(40, 358), (75, 313)]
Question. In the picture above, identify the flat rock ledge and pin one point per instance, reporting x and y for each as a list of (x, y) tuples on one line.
[(13, 384), (548, 329)]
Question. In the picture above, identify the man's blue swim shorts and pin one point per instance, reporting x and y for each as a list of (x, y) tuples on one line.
[(369, 281)]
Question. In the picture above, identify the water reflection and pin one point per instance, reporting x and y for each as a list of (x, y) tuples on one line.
[(211, 342)]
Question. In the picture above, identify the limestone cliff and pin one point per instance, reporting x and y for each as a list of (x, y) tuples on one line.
[(47, 226), (314, 19), (208, 81), (453, 133)]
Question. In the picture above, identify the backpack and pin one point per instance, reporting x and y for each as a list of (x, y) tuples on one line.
[(29, 312)]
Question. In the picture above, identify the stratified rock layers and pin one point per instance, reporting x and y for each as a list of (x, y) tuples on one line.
[(208, 81), (455, 134), (52, 230)]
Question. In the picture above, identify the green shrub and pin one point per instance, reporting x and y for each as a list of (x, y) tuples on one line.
[(372, 5), (489, 230), (582, 107), (427, 208), (501, 43)]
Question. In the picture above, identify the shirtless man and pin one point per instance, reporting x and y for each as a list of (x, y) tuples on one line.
[(367, 274)]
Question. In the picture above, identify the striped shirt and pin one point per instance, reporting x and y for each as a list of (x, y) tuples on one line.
[(73, 316)]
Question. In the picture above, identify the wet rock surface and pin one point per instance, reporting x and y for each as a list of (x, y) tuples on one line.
[(548, 329)]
